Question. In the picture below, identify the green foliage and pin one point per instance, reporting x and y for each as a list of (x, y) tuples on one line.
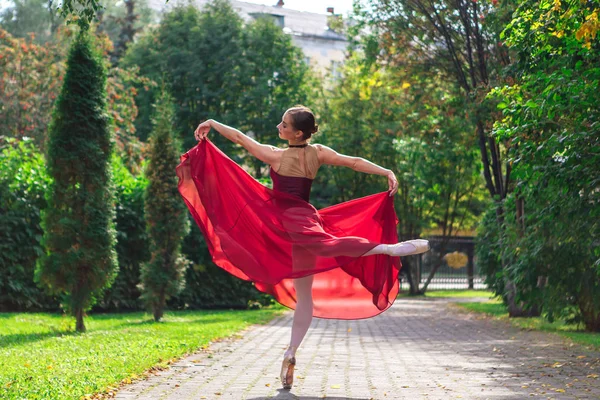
[(81, 12), (165, 213), (132, 240), (79, 236), (217, 67), (496, 309), (551, 119), (208, 286), (274, 76), (359, 118), (121, 94), (408, 124), (23, 18), (31, 81), (488, 250), (42, 358), (29, 84), (199, 55), (122, 20), (23, 184)]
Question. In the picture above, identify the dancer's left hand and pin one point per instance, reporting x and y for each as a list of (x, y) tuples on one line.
[(392, 183), (202, 130)]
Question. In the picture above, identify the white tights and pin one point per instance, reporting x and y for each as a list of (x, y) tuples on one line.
[(303, 314)]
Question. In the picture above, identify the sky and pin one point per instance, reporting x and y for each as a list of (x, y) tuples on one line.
[(317, 6)]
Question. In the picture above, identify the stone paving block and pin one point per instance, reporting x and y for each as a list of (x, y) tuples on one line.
[(418, 349)]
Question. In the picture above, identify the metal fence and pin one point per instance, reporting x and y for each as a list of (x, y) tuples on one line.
[(457, 265)]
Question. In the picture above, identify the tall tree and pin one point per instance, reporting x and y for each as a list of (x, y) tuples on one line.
[(274, 79), (449, 37), (202, 68), (29, 84), (461, 41), (551, 118), (246, 75), (166, 215), (122, 21), (411, 125), (79, 235)]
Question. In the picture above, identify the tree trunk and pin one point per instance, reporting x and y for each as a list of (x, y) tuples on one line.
[(413, 285), (159, 308), (589, 311), (79, 325)]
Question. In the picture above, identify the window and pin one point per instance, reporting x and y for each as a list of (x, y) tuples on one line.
[(277, 19)]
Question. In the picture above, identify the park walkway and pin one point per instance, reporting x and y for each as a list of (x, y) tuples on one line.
[(419, 349)]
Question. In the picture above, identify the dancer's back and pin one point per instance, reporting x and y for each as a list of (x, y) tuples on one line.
[(295, 170), (299, 162)]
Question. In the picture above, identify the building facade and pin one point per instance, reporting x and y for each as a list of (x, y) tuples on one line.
[(324, 49)]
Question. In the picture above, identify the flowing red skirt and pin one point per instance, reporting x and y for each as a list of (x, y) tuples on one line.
[(270, 237)]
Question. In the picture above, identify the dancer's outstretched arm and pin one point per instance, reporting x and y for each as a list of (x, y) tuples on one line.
[(329, 156), (265, 153)]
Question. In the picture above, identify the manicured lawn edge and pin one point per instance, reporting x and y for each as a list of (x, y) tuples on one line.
[(43, 358), (496, 310)]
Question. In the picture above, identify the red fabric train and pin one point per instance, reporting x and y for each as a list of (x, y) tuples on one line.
[(270, 237)]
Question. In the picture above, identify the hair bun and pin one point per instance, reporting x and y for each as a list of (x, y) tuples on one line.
[(303, 120)]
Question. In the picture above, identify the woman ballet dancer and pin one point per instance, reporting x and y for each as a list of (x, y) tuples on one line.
[(339, 262)]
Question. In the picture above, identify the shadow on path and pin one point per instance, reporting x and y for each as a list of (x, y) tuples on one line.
[(287, 395)]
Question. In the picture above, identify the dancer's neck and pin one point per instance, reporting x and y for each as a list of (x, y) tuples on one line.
[(302, 143)]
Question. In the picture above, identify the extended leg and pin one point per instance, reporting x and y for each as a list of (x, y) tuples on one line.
[(407, 248)]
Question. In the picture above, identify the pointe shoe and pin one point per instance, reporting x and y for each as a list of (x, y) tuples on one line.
[(287, 371), (400, 249)]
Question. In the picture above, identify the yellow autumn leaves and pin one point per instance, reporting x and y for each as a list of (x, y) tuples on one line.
[(586, 32)]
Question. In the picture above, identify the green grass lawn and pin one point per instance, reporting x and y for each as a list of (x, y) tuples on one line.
[(41, 357), (496, 309), (459, 293)]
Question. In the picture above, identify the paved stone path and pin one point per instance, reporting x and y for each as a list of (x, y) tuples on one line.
[(419, 349)]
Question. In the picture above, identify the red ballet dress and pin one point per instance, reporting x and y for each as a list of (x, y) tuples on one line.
[(271, 236)]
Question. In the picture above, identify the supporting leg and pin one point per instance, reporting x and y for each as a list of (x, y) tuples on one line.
[(302, 319), (303, 314)]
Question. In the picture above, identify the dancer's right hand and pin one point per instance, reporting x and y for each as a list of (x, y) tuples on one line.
[(202, 130)]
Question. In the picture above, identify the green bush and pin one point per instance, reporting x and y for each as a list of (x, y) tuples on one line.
[(132, 240), (23, 183), (551, 119), (208, 286)]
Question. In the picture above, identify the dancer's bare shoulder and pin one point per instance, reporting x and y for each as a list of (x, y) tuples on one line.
[(274, 159), (264, 152)]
